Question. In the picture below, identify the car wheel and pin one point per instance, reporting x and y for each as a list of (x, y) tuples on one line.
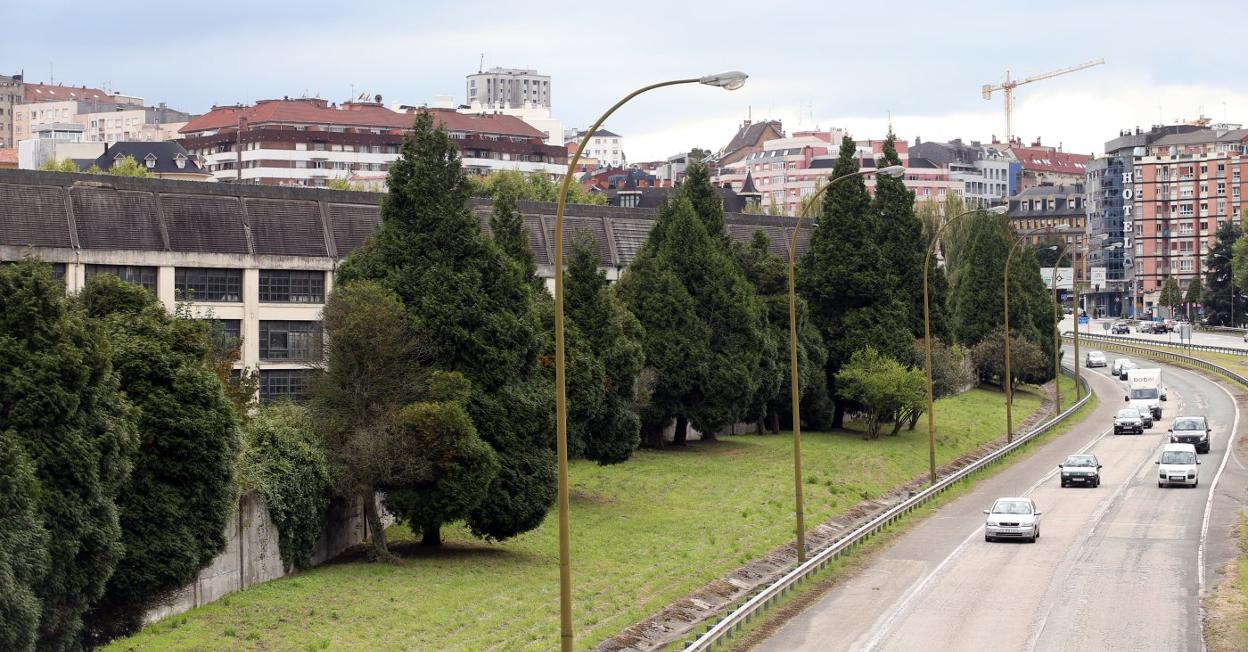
[(1160, 485), (987, 538), (1063, 484)]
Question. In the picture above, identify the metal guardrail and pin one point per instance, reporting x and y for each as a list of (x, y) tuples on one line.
[(732, 622), (1223, 329), (1135, 341), (1167, 356)]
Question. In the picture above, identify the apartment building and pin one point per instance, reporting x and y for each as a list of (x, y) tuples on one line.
[(508, 88), (308, 141), (103, 120), (987, 173), (12, 91), (1039, 164), (606, 146), (788, 169), (1184, 181)]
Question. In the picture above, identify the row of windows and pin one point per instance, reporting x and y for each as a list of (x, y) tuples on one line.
[(284, 384), (223, 285), (280, 340)]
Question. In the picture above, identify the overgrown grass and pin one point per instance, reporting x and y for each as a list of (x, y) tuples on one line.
[(645, 533)]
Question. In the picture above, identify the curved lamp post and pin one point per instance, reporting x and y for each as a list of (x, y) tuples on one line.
[(1009, 379), (731, 80), (1078, 300), (1057, 336), (891, 171), (927, 328)]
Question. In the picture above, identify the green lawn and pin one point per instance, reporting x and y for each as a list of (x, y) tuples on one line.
[(645, 533)]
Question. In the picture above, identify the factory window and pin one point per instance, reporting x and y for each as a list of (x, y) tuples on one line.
[(139, 275), (284, 384), (290, 341), (208, 284), (292, 286), (226, 336)]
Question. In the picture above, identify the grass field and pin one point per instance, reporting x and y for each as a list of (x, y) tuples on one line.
[(645, 533)]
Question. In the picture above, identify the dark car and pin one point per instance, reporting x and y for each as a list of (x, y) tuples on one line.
[(1081, 470), (1191, 430), (1120, 328), (1144, 327)]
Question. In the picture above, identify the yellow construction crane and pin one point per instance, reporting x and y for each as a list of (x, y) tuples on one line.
[(1010, 84)]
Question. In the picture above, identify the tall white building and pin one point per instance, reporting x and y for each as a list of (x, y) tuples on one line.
[(508, 88), (606, 146)]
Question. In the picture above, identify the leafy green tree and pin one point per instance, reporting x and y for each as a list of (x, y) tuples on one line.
[(1171, 296), (375, 367), (702, 322), (181, 492), (1222, 276), (1028, 363), (477, 311), (842, 279), (341, 183), (63, 165), (461, 464), (613, 337), (882, 387), (282, 460), (507, 227), (1194, 295), (697, 154), (534, 186), (768, 274), (902, 246), (59, 401), (128, 167), (95, 169), (23, 547)]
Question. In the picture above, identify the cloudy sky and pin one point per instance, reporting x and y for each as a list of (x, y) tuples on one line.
[(811, 63)]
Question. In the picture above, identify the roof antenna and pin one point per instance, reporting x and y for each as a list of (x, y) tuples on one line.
[(481, 64)]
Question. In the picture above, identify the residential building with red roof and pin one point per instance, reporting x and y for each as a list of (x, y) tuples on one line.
[(308, 141), (1048, 165)]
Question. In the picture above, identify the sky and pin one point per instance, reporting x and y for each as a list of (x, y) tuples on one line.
[(811, 64)]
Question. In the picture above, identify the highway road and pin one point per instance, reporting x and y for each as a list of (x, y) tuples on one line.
[(1119, 567), (1097, 327)]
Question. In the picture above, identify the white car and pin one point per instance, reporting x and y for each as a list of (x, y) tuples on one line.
[(1094, 359), (1177, 465), (1013, 518), (1116, 370)]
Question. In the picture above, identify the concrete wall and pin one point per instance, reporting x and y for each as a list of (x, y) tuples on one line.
[(252, 555)]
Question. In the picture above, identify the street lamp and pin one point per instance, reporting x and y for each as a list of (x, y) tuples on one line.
[(1057, 336), (894, 171), (927, 328), (1009, 378), (731, 80)]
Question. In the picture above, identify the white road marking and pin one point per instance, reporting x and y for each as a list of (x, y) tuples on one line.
[(880, 631)]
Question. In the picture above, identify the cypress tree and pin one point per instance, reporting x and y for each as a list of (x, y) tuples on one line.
[(475, 306), (841, 278), (706, 200), (59, 401), (507, 226), (23, 547), (902, 246), (181, 491), (613, 337), (1220, 278)]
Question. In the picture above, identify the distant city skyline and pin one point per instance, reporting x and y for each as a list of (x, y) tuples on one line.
[(841, 71)]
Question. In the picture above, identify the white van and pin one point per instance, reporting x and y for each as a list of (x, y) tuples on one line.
[(1177, 465), (1145, 391)]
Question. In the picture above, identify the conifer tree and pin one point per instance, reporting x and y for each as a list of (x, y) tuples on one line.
[(478, 312), (59, 401), (902, 247), (507, 227), (842, 279)]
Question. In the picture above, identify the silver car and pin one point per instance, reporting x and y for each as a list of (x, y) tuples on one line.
[(1012, 518), (1095, 359)]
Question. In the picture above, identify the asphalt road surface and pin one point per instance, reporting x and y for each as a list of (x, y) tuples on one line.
[(1202, 338), (1119, 567)]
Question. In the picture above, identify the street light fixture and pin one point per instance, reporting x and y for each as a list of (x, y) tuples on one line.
[(731, 80), (894, 171), (927, 328)]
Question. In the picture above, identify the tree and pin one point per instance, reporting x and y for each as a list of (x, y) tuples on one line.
[(1195, 293), (477, 311), (613, 337), (772, 403), (59, 402), (932, 214), (840, 277), (902, 247), (376, 369), (1028, 363), (534, 186), (697, 154), (1171, 295), (63, 165), (882, 387), (282, 460), (507, 227), (23, 547), (708, 204), (341, 183), (702, 323), (1220, 279), (127, 167), (181, 491)]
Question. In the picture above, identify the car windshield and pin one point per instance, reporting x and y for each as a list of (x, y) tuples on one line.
[(1144, 393), (1011, 507), (1097, 355), (1129, 413), (1080, 460), (1178, 457), (1120, 361), (1189, 424)]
